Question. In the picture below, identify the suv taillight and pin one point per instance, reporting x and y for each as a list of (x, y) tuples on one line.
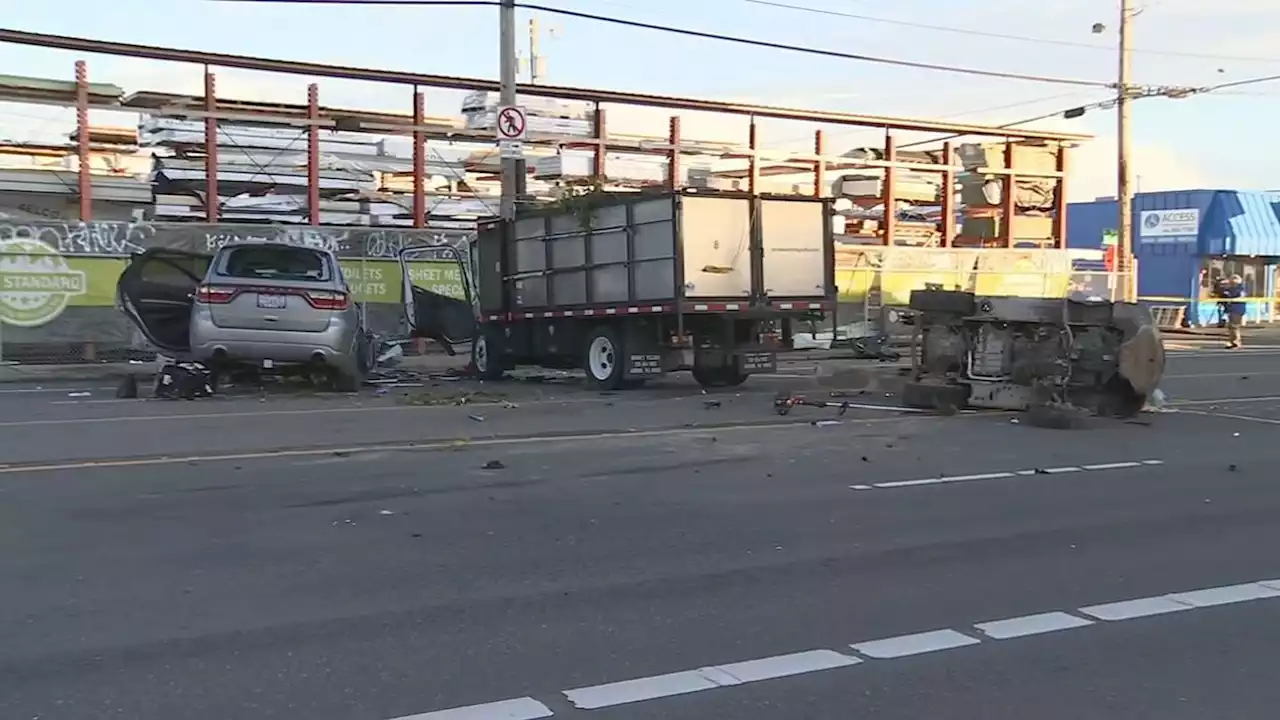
[(214, 295), (323, 300)]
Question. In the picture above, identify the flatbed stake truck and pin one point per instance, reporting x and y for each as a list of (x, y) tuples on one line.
[(639, 285)]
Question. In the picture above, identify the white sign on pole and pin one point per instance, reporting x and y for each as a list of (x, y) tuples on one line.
[(512, 122), (1184, 222), (511, 149)]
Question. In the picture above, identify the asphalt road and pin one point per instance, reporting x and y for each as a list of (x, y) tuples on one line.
[(169, 560)]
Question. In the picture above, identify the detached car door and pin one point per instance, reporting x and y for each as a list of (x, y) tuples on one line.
[(449, 319), (157, 291)]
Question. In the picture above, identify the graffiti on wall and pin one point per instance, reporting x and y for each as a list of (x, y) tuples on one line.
[(120, 239), (82, 238), (371, 243)]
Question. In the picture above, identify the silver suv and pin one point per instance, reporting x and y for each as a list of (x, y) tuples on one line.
[(270, 306)]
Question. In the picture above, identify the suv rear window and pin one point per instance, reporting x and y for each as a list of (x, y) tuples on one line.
[(273, 262)]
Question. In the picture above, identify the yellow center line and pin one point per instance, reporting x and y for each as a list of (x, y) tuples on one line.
[(426, 446)]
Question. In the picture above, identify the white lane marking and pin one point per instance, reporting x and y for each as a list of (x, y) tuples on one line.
[(649, 688), (1130, 609), (1211, 597), (787, 665), (525, 708), (1230, 416), (861, 487), (1239, 374), (1112, 466), (32, 391), (1223, 401), (915, 644), (739, 673), (944, 479), (707, 678), (1223, 352), (1031, 625)]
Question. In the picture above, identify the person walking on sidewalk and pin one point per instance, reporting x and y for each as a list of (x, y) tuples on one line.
[(1233, 294)]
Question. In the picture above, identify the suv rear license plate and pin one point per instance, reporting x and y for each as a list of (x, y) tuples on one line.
[(273, 302)]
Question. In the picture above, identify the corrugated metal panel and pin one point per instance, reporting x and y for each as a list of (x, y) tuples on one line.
[(1087, 221), (1241, 223), (1169, 266)]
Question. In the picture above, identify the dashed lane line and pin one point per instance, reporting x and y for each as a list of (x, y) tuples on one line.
[(1004, 475), (717, 677), (1231, 416), (1031, 625), (525, 708), (914, 644)]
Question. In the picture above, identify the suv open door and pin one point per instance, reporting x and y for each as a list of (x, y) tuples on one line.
[(157, 291), (448, 320)]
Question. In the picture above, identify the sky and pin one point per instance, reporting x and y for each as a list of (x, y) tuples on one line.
[(1207, 141)]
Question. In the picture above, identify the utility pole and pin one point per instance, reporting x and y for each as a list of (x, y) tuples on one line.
[(1124, 189), (535, 57), (507, 97)]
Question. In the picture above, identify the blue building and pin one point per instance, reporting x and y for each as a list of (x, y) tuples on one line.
[(1186, 240)]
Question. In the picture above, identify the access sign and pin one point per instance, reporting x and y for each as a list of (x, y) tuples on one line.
[(512, 123)]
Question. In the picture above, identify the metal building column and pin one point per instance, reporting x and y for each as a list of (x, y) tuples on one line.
[(819, 165), (212, 202), (889, 197), (753, 164), (1060, 201), (947, 195), (419, 160), (84, 180), (313, 154), (1009, 210), (602, 148), (673, 156)]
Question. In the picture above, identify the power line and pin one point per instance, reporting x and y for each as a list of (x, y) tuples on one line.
[(1000, 36), (816, 51), (1175, 93), (717, 36)]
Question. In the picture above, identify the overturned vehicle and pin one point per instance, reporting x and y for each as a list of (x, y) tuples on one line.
[(1045, 355)]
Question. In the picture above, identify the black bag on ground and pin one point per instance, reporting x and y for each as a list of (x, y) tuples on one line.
[(184, 381)]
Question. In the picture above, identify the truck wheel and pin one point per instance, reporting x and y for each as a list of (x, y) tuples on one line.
[(486, 361), (719, 377), (603, 359)]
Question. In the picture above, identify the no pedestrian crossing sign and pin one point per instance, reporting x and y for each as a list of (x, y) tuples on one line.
[(512, 123)]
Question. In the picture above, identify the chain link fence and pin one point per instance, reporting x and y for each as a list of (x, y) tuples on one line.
[(58, 280)]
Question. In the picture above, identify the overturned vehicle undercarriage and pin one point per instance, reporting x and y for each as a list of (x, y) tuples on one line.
[(1043, 355)]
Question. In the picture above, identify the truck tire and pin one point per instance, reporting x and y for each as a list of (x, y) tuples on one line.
[(953, 302), (719, 377), (487, 360), (604, 359)]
